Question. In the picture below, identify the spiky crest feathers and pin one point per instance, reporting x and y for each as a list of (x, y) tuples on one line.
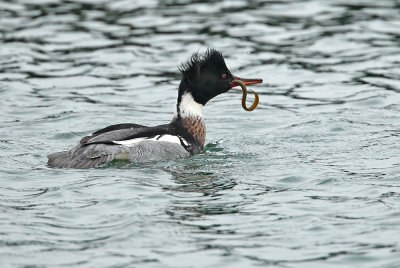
[(197, 61)]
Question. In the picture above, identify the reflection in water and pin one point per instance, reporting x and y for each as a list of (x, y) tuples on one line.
[(198, 192), (310, 178), (198, 206)]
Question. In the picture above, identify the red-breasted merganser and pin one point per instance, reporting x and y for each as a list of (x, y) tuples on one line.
[(204, 77)]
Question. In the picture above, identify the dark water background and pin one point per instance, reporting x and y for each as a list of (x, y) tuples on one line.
[(309, 179)]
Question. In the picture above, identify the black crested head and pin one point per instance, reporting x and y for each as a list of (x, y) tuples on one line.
[(205, 76), (197, 61)]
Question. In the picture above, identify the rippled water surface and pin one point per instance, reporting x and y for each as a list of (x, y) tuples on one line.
[(308, 179)]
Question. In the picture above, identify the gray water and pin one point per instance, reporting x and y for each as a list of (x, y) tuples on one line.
[(308, 179)]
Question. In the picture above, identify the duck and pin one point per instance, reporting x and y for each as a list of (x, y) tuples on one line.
[(204, 76)]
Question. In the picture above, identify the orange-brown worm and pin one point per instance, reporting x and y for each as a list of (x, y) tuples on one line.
[(244, 89)]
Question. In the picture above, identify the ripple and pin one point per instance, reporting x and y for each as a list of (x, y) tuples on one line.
[(310, 178)]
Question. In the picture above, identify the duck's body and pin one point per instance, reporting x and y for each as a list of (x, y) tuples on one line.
[(184, 136), (100, 149)]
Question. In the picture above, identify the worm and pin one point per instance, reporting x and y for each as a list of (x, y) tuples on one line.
[(244, 89)]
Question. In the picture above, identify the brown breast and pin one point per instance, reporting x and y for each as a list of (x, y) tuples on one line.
[(196, 127)]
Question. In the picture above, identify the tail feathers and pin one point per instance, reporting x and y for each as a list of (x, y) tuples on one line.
[(57, 159), (80, 157)]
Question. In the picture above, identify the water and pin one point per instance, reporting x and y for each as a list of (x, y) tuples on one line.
[(308, 179)]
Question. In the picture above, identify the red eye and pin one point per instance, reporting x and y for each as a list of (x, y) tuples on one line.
[(223, 76)]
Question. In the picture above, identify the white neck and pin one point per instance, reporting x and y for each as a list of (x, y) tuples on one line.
[(188, 107)]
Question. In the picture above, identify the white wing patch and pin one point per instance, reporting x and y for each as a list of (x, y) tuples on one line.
[(129, 143), (168, 138), (165, 138)]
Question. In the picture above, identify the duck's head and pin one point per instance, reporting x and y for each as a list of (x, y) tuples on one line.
[(206, 76)]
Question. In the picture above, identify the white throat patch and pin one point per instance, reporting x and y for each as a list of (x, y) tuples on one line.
[(189, 107)]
